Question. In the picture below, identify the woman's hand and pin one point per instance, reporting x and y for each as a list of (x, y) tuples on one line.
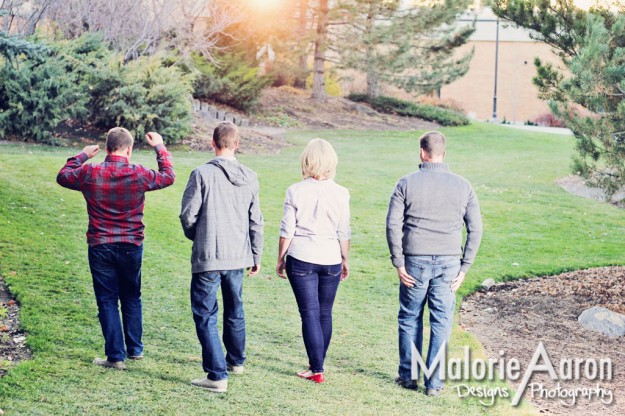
[(280, 268), (344, 270)]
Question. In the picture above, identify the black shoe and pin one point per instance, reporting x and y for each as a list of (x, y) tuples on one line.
[(407, 384)]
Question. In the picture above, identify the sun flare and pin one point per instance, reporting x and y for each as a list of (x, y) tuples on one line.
[(265, 5)]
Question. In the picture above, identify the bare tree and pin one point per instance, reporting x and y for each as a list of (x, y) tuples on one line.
[(138, 28), (21, 17)]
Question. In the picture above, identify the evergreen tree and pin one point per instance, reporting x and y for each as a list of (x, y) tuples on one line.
[(12, 47), (37, 94), (590, 95), (410, 45)]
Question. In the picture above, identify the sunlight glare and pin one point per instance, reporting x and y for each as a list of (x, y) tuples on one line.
[(265, 5)]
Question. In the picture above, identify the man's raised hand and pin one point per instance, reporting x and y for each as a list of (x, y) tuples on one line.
[(91, 150), (153, 138)]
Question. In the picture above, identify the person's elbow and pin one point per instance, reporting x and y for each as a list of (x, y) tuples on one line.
[(343, 235), (170, 178), (65, 182)]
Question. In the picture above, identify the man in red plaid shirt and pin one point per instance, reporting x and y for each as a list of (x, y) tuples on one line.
[(115, 194)]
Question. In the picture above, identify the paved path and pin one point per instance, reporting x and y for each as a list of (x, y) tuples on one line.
[(553, 130)]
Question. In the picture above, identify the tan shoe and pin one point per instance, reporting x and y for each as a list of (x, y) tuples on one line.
[(117, 365), (433, 392), (235, 369), (216, 386)]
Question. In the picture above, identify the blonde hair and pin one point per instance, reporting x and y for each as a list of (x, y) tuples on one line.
[(319, 160)]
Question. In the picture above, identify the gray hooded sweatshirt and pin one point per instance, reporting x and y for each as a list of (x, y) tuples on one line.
[(221, 214)]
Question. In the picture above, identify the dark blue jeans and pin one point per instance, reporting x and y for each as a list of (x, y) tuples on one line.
[(315, 288), (116, 272), (204, 306)]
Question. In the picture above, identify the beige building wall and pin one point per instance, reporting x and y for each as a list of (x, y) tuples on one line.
[(517, 97)]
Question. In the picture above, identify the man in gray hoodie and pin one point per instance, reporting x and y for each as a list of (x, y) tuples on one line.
[(427, 212), (221, 215)]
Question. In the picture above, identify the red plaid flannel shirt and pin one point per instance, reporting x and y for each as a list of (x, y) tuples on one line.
[(115, 193)]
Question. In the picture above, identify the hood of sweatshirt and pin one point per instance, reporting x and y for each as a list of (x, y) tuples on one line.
[(236, 173)]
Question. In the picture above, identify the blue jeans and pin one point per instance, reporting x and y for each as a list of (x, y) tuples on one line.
[(116, 272), (315, 288), (433, 275), (204, 307)]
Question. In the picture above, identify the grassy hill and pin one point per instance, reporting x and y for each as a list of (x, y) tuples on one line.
[(532, 227)]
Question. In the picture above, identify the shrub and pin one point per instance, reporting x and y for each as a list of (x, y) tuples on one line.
[(405, 108), (82, 79), (548, 120), (37, 92), (232, 81), (448, 103), (142, 95)]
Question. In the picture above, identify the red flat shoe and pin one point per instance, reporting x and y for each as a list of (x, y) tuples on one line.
[(302, 374), (317, 378)]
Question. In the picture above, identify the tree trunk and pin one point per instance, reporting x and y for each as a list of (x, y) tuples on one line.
[(302, 73), (319, 73), (373, 86)]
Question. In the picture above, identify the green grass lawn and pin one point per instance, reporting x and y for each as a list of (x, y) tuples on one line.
[(532, 227)]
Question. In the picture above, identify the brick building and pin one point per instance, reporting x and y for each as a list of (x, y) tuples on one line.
[(517, 99)]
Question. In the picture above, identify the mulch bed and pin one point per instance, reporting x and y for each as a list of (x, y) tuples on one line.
[(12, 338), (515, 316)]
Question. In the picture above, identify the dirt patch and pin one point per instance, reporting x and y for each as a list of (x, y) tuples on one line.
[(576, 185), (12, 337), (257, 139), (515, 316), (290, 107)]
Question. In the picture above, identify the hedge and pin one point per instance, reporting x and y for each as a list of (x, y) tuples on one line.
[(390, 105)]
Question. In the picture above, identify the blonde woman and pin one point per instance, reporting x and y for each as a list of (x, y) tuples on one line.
[(314, 248)]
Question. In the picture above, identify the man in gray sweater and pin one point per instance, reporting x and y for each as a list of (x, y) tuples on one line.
[(427, 212), (221, 215)]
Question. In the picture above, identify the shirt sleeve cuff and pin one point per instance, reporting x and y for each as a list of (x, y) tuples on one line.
[(286, 234), (159, 147), (257, 259), (82, 157), (464, 267), (398, 261), (343, 236)]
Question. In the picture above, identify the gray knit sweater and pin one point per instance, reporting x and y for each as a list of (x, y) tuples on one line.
[(426, 214), (221, 214)]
